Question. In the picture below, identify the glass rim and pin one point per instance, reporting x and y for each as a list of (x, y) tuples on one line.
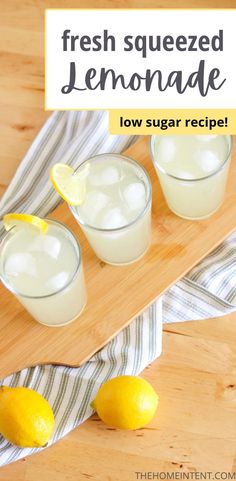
[(161, 169), (15, 291), (141, 214)]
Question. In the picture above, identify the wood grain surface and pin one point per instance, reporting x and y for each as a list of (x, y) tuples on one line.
[(22, 67), (194, 428), (115, 294)]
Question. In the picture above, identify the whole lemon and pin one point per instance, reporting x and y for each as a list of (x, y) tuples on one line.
[(26, 418), (126, 402)]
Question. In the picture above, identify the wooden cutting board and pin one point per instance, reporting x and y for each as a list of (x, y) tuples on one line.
[(115, 294)]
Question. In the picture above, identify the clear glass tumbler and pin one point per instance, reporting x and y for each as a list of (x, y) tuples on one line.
[(44, 272), (116, 213), (192, 171)]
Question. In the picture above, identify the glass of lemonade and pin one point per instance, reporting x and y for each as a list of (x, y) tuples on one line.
[(192, 170), (116, 213), (44, 271)]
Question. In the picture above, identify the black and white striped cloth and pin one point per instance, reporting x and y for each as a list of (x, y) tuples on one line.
[(209, 290)]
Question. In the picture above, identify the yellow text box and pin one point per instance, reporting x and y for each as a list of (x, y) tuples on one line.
[(176, 122)]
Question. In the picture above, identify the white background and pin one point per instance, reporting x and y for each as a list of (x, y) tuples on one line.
[(138, 22)]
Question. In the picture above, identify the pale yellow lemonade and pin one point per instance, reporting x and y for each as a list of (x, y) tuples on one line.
[(45, 272), (116, 212), (192, 170)]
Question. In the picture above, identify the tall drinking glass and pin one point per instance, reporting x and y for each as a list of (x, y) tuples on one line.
[(116, 213), (44, 272), (193, 171)]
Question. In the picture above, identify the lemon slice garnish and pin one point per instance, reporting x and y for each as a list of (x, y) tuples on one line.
[(14, 219), (70, 186)]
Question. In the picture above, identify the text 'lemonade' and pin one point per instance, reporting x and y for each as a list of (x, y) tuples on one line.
[(44, 271), (116, 212), (192, 170)]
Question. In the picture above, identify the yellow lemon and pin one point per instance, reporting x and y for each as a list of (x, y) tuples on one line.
[(70, 186), (14, 219), (126, 402), (26, 418)]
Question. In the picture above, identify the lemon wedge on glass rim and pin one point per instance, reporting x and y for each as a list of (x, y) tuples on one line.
[(14, 219), (70, 186)]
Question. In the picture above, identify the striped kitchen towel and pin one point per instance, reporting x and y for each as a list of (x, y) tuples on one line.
[(209, 290)]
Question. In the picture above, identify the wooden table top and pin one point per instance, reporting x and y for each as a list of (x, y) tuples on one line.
[(194, 429)]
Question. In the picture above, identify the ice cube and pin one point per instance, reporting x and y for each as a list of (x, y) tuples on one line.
[(94, 202), (181, 173), (58, 281), (46, 244), (166, 149), (205, 138), (20, 263), (113, 218), (207, 160), (135, 195), (106, 176)]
